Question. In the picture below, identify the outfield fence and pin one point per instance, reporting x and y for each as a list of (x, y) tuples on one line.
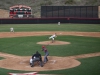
[(49, 20)]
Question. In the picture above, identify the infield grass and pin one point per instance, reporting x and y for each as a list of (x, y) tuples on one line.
[(27, 45)]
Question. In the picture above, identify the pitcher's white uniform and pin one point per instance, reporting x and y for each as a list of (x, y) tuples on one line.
[(53, 37), (11, 29)]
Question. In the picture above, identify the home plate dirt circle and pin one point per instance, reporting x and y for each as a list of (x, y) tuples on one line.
[(54, 63), (54, 43)]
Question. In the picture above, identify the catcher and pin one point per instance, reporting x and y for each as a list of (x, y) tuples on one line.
[(36, 58)]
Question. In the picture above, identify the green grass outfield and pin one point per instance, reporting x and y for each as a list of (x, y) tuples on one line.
[(26, 46), (51, 27)]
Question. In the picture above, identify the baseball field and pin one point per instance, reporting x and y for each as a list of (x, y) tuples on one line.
[(76, 50)]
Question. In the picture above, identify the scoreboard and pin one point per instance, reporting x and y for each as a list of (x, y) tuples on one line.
[(20, 11)]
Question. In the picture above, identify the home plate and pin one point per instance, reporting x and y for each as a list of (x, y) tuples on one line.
[(52, 61)]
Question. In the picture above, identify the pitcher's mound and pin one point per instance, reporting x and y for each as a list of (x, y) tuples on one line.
[(54, 43)]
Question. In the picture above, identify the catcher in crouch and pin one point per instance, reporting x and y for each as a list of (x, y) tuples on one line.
[(36, 58), (53, 37)]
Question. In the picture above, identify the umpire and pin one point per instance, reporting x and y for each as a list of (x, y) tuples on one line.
[(37, 57)]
